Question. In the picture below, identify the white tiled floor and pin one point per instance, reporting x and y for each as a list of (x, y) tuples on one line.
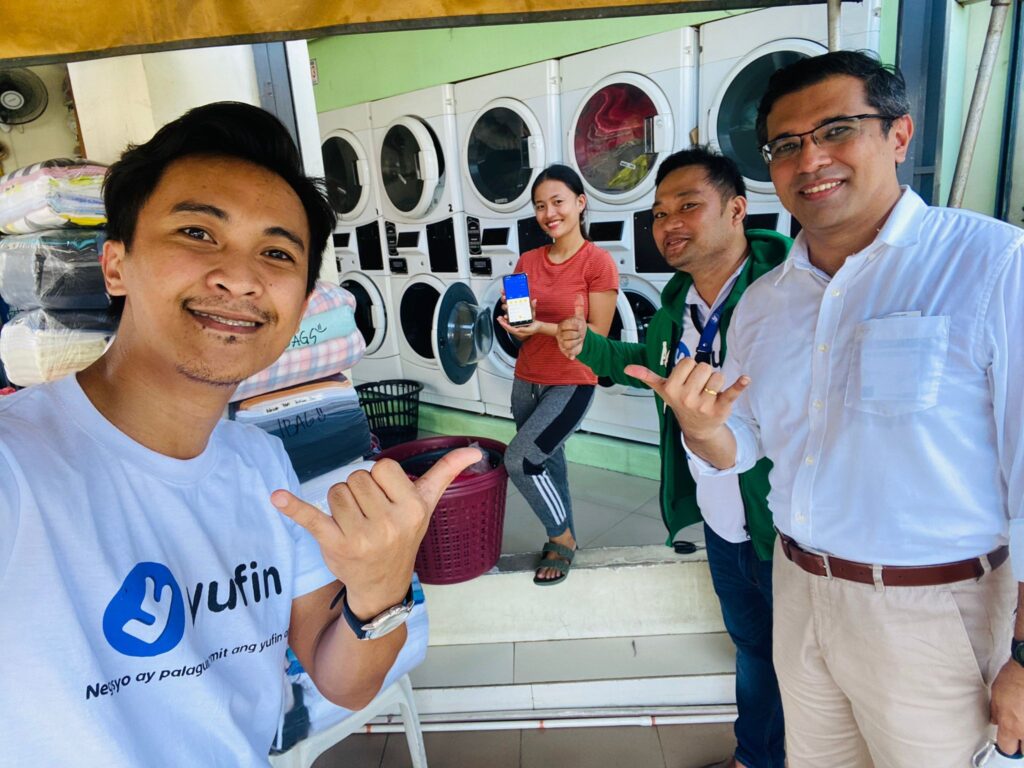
[(674, 746)]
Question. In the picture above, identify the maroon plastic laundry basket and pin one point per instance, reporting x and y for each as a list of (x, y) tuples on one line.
[(464, 536)]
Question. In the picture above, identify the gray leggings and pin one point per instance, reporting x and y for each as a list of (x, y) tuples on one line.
[(545, 416)]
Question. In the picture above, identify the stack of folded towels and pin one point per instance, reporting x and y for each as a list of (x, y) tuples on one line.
[(303, 398), (51, 241)]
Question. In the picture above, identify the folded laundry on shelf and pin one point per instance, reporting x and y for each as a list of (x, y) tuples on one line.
[(320, 423), (330, 344), (55, 269), (53, 194), (42, 345)]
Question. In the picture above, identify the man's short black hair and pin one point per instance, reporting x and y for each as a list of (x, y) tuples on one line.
[(224, 129), (721, 171), (883, 85)]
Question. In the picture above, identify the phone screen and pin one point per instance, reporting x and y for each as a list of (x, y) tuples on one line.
[(517, 296)]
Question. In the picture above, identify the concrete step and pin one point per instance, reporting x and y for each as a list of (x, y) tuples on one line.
[(571, 678), (610, 592)]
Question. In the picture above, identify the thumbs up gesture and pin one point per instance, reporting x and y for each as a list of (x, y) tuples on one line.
[(377, 521), (572, 330)]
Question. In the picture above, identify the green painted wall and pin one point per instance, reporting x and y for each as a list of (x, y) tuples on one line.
[(358, 68)]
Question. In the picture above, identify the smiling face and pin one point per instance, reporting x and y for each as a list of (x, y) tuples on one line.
[(557, 208), (215, 279), (845, 189), (693, 226)]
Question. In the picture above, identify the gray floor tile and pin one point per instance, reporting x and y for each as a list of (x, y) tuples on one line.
[(635, 531), (594, 519), (359, 749), (523, 531), (694, 746), (454, 666), (613, 658), (651, 508), (622, 747), (459, 749), (610, 488)]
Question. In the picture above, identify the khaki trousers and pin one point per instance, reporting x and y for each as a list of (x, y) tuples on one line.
[(895, 677)]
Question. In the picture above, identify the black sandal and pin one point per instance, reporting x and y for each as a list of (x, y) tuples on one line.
[(562, 563)]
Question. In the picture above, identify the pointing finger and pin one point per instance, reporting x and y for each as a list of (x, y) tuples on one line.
[(579, 307), (434, 481), (321, 526)]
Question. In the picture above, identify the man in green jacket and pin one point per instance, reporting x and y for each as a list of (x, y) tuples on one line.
[(699, 209)]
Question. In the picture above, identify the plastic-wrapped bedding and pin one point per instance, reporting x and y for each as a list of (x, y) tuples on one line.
[(320, 423), (327, 342), (51, 195), (56, 269), (43, 345)]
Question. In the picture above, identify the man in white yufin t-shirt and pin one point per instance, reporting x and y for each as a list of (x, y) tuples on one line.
[(154, 562)]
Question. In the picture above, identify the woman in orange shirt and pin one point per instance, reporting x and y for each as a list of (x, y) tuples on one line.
[(550, 393)]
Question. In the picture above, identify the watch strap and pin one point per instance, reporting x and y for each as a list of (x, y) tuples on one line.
[(355, 623), (1017, 651)]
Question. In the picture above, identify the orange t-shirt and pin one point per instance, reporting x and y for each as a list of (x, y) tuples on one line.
[(555, 287)]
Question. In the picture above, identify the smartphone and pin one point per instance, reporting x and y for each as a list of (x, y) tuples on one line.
[(517, 297)]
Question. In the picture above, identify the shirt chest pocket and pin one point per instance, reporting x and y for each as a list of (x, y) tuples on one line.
[(897, 364)]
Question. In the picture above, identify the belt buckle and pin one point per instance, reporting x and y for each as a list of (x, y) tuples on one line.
[(828, 565)]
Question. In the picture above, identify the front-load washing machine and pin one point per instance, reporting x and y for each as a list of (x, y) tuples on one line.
[(508, 125), (738, 56), (347, 148), (442, 335), (626, 107)]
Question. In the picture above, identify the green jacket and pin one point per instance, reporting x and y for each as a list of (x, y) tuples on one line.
[(608, 358)]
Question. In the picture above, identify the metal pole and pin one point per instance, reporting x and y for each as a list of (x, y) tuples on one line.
[(835, 11), (1000, 8)]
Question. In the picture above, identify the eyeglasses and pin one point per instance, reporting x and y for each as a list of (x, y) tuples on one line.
[(832, 133)]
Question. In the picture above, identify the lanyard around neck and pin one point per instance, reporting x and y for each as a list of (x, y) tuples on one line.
[(707, 333)]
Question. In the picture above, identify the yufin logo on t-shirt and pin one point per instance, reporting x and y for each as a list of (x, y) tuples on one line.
[(146, 617)]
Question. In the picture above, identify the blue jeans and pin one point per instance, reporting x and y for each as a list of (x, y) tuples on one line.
[(744, 588)]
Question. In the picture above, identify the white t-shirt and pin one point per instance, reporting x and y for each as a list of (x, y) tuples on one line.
[(144, 600), (718, 497)]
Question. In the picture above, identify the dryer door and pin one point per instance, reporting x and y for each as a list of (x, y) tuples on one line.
[(411, 166), (462, 333), (624, 328), (371, 312), (644, 300), (502, 153), (617, 135), (505, 349), (733, 115), (347, 170)]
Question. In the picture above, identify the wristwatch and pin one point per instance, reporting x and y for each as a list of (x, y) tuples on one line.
[(1017, 651), (387, 621)]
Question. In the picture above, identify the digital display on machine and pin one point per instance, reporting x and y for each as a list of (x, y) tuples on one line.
[(408, 239), (603, 231), (496, 236), (517, 297)]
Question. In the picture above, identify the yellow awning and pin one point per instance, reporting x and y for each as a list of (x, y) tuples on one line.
[(40, 31)]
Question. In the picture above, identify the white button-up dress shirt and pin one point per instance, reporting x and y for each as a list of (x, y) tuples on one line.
[(889, 396)]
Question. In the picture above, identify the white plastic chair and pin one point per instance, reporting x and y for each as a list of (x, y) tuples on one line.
[(305, 752)]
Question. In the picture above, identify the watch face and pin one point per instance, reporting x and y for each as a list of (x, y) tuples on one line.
[(387, 622)]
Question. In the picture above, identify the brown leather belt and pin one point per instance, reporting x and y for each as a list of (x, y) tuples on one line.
[(892, 575)]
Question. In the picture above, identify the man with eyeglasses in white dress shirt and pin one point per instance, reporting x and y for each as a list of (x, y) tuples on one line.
[(878, 369)]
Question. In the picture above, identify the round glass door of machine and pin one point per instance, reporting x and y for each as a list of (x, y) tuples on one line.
[(624, 328), (345, 167), (462, 333), (371, 314), (411, 167), (617, 135), (444, 325), (503, 150), (733, 117)]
